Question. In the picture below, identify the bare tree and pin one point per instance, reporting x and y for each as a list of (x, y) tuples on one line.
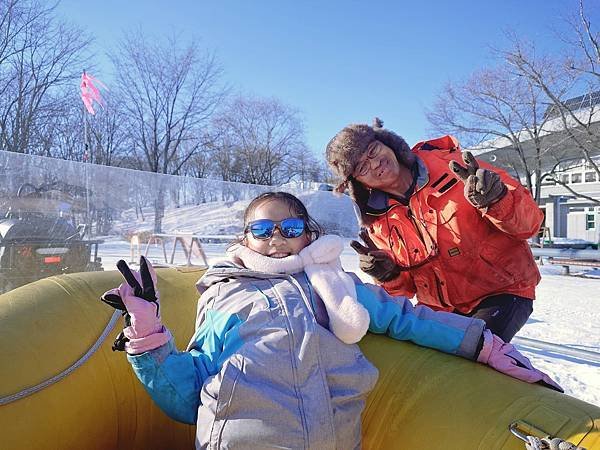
[(502, 109), (62, 137), (310, 169), (527, 104), (585, 43), (260, 141), (200, 165), (169, 94), (580, 67), (227, 160), (578, 122), (40, 56), (15, 17)]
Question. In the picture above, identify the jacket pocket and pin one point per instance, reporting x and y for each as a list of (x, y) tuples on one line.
[(231, 374), (500, 269), (427, 289), (487, 277)]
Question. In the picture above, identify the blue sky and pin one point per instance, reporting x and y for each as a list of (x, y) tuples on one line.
[(338, 62)]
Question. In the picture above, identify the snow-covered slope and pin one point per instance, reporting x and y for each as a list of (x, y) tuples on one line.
[(334, 212)]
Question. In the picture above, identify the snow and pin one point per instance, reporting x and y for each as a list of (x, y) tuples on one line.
[(334, 212), (566, 311)]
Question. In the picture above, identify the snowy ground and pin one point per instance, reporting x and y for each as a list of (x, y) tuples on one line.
[(566, 312)]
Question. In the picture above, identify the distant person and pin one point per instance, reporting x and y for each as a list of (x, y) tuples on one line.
[(441, 225), (273, 362)]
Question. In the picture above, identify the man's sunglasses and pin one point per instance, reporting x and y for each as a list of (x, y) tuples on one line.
[(292, 227)]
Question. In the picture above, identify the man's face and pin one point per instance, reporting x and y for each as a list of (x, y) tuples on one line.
[(378, 168)]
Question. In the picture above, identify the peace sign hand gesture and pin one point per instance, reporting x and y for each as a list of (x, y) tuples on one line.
[(138, 298), (482, 187), (373, 261)]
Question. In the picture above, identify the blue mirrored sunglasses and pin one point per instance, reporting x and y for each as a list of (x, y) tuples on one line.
[(292, 227)]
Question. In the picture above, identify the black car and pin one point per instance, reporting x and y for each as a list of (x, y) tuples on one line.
[(39, 238)]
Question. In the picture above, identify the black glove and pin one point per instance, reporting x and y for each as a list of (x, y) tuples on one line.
[(133, 298), (482, 187), (373, 261)]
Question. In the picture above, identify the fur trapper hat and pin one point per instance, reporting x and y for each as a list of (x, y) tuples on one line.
[(346, 148)]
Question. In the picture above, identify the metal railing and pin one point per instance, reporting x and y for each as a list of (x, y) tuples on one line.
[(567, 253)]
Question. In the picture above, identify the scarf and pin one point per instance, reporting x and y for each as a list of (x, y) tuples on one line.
[(320, 260)]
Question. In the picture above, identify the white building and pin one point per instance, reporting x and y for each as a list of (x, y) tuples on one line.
[(567, 215)]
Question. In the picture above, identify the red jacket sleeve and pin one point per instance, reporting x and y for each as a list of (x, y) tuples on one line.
[(403, 284), (516, 213)]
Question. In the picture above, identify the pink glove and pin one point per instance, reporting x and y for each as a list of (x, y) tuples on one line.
[(506, 358), (139, 301)]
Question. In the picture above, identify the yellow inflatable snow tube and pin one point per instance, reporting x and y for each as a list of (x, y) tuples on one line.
[(90, 399)]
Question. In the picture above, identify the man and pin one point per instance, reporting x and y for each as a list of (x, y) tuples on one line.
[(441, 225)]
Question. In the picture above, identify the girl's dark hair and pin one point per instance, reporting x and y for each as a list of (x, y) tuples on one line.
[(296, 207)]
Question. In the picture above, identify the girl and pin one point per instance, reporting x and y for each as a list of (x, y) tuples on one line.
[(273, 362)]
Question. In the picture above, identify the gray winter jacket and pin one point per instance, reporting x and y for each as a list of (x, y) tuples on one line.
[(263, 371)]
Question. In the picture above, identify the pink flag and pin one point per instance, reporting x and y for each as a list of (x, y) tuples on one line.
[(90, 93)]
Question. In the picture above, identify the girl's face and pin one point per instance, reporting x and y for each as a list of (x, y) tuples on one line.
[(276, 246)]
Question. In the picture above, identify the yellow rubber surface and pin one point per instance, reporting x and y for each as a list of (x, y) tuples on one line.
[(424, 399)]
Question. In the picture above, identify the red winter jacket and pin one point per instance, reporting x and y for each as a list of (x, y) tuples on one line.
[(455, 255)]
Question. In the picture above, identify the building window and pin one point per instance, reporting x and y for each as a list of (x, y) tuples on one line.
[(565, 178), (590, 177), (575, 178), (590, 221)]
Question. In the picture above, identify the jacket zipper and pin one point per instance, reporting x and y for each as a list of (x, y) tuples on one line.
[(411, 216), (293, 362), (440, 290), (391, 229), (308, 303)]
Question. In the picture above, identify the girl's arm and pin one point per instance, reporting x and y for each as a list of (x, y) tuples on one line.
[(399, 319), (448, 332), (174, 379)]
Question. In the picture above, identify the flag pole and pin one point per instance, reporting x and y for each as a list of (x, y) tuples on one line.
[(89, 95), (86, 157)]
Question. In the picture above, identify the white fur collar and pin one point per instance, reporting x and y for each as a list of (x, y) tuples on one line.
[(348, 319), (261, 263), (323, 250)]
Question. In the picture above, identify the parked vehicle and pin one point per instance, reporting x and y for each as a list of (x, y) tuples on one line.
[(325, 187), (39, 237)]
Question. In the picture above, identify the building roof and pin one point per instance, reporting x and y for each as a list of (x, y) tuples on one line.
[(575, 104)]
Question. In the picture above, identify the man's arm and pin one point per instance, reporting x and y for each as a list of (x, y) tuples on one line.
[(501, 199), (516, 213)]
